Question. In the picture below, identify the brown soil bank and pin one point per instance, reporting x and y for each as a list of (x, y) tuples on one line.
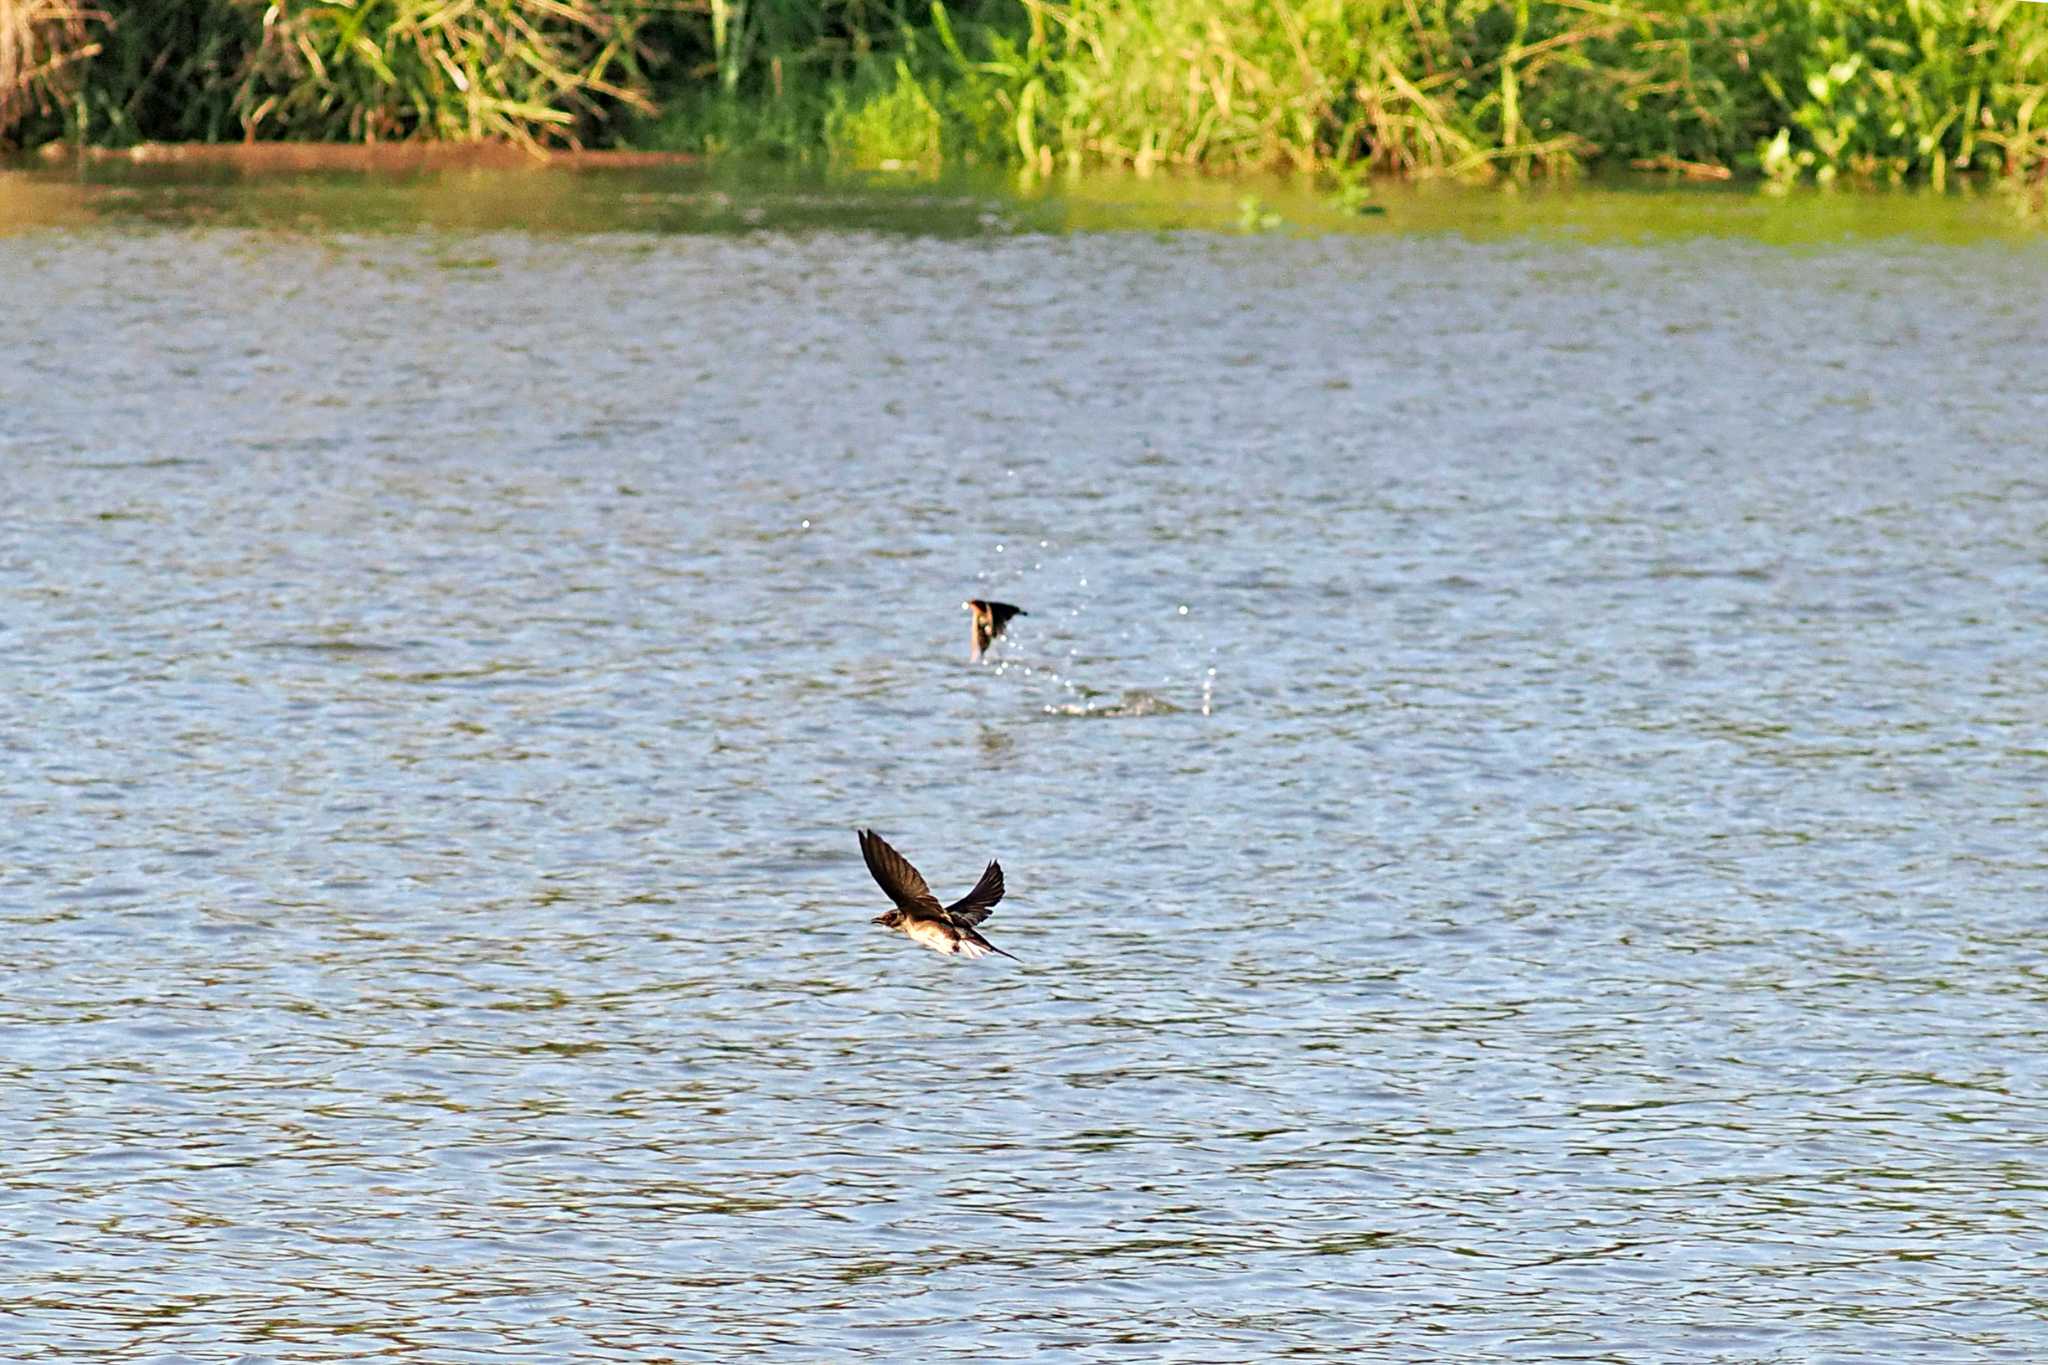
[(381, 157)]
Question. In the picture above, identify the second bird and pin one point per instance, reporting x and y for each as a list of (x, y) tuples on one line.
[(989, 620)]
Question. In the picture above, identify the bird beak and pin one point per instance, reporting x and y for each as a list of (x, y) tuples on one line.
[(879, 919)]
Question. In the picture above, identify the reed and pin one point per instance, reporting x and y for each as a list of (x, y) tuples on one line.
[(43, 44), (528, 71), (165, 70), (859, 80)]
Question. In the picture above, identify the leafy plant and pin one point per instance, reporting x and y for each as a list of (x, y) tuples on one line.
[(1254, 216), (1352, 193)]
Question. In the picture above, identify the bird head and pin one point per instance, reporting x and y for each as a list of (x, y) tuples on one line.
[(890, 920)]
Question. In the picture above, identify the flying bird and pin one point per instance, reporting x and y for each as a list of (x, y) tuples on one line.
[(989, 620), (943, 929)]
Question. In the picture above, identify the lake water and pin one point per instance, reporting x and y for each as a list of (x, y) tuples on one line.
[(1522, 784)]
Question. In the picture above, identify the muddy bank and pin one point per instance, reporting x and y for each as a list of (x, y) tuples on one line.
[(372, 157)]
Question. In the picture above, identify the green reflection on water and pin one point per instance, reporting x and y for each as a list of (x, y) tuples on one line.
[(739, 199)]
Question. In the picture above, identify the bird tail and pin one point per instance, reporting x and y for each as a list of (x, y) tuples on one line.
[(978, 941)]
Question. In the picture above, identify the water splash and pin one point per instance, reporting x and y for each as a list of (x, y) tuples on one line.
[(1134, 702)]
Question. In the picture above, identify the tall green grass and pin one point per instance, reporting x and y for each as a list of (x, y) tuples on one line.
[(1887, 90), (526, 70), (166, 71), (1878, 89), (1882, 88), (862, 81)]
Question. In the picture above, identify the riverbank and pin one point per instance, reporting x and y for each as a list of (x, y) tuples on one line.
[(380, 158), (1819, 90)]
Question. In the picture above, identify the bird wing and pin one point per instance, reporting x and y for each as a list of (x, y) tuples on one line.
[(978, 904), (894, 874), (989, 620)]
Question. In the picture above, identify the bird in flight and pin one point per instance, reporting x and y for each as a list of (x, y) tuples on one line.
[(989, 620), (943, 929)]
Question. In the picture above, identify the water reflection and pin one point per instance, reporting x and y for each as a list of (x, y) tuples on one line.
[(401, 188)]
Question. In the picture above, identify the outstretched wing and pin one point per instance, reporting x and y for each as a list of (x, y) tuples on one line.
[(976, 906), (894, 874)]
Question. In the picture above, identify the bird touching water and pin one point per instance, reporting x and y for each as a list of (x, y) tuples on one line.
[(989, 620), (943, 929)]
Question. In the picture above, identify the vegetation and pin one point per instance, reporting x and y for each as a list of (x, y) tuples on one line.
[(530, 71), (42, 43), (1882, 89)]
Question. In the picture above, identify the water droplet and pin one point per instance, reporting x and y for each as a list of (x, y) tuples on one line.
[(1183, 609), (807, 523)]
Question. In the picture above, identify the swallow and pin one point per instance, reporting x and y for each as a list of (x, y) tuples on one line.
[(989, 620), (943, 929)]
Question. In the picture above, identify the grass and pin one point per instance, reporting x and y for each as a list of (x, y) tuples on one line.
[(527, 71), (1877, 90), (524, 70), (44, 45), (1884, 90)]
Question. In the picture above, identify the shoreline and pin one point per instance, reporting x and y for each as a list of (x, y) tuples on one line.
[(418, 157), (366, 157)]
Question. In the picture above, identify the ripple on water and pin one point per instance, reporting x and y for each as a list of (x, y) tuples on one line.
[(1565, 885)]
